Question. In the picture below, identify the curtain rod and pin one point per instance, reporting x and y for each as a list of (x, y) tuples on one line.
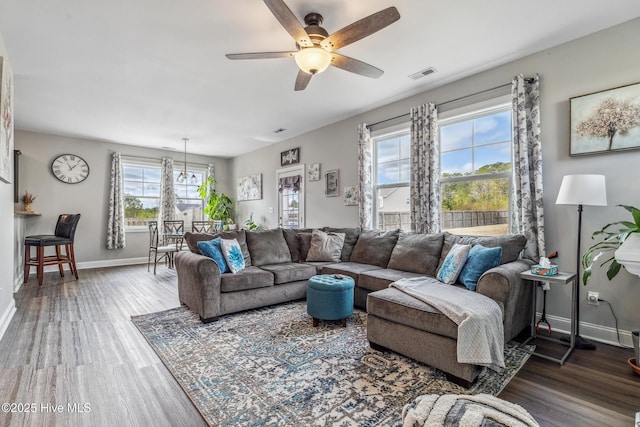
[(527, 79), (131, 156)]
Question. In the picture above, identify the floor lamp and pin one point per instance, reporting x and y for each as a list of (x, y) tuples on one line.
[(582, 190)]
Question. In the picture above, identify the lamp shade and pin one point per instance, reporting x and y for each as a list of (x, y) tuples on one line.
[(313, 60), (589, 190)]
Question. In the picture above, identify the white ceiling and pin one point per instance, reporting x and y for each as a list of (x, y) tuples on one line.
[(150, 72)]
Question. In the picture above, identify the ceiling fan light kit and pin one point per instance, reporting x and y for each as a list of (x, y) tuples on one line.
[(313, 60), (315, 47)]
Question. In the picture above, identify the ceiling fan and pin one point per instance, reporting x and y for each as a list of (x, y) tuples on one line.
[(316, 48)]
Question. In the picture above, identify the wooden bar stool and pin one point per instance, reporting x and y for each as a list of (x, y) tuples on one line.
[(64, 236)]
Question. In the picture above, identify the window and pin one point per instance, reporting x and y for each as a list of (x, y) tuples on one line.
[(141, 182), (392, 159), (475, 167)]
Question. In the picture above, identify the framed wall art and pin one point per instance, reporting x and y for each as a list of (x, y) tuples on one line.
[(6, 121), (350, 196), (332, 183), (313, 173), (290, 157), (606, 121), (250, 187)]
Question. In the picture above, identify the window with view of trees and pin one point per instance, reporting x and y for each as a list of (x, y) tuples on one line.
[(475, 167), (142, 194), (392, 179)]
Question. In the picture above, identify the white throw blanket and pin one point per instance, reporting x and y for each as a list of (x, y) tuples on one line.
[(479, 319)]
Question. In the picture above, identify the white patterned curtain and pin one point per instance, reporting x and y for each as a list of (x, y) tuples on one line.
[(425, 169), (115, 226), (527, 216), (365, 177), (167, 193)]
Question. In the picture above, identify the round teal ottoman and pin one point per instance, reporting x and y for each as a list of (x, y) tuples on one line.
[(330, 297)]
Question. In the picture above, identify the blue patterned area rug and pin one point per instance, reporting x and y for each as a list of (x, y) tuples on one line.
[(271, 367)]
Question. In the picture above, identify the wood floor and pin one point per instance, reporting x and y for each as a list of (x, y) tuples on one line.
[(72, 343)]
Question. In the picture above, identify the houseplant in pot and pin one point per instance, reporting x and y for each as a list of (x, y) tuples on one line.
[(217, 204), (621, 244)]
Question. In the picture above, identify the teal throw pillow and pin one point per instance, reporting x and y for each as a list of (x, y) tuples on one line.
[(480, 260), (213, 250), (453, 263), (233, 254)]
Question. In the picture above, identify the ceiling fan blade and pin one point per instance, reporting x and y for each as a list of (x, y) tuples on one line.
[(302, 80), (360, 29), (355, 66), (289, 21), (260, 55)]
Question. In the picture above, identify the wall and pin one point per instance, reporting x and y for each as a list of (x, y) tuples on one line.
[(7, 304), (597, 62), (90, 197)]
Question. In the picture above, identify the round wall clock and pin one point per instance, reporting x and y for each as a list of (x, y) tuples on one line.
[(70, 169)]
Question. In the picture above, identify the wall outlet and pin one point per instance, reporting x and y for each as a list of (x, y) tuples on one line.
[(593, 298)]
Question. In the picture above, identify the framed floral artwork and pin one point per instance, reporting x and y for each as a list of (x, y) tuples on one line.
[(350, 196), (606, 121), (313, 173)]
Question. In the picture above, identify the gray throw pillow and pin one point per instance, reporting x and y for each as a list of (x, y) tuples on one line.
[(374, 247), (325, 246), (291, 236), (268, 247), (417, 253), (350, 239), (305, 244)]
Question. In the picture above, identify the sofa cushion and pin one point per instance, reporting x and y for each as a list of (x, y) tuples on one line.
[(350, 239), (374, 247), (213, 250), (453, 263), (249, 278), (319, 265), (511, 244), (480, 260), (232, 254), (192, 240), (289, 272), (325, 246), (375, 280), (396, 306), (305, 243), (291, 237), (268, 247), (417, 253), (351, 269)]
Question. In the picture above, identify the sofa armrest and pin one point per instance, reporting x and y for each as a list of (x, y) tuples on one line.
[(504, 285), (198, 284)]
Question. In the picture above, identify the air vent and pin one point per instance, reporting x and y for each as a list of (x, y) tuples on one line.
[(423, 73)]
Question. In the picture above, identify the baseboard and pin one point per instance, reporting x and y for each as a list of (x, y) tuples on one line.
[(6, 317), (591, 331), (99, 264)]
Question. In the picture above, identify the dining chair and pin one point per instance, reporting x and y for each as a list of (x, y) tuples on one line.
[(164, 245), (64, 235), (202, 226)]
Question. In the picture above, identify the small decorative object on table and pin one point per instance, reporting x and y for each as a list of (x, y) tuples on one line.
[(27, 199), (545, 268)]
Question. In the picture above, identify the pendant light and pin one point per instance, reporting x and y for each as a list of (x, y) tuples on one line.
[(183, 175)]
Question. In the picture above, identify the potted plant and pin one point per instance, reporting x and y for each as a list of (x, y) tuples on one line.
[(623, 239), (250, 225), (614, 236), (217, 204)]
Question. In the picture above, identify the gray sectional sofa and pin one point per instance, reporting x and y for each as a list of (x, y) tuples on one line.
[(277, 271)]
